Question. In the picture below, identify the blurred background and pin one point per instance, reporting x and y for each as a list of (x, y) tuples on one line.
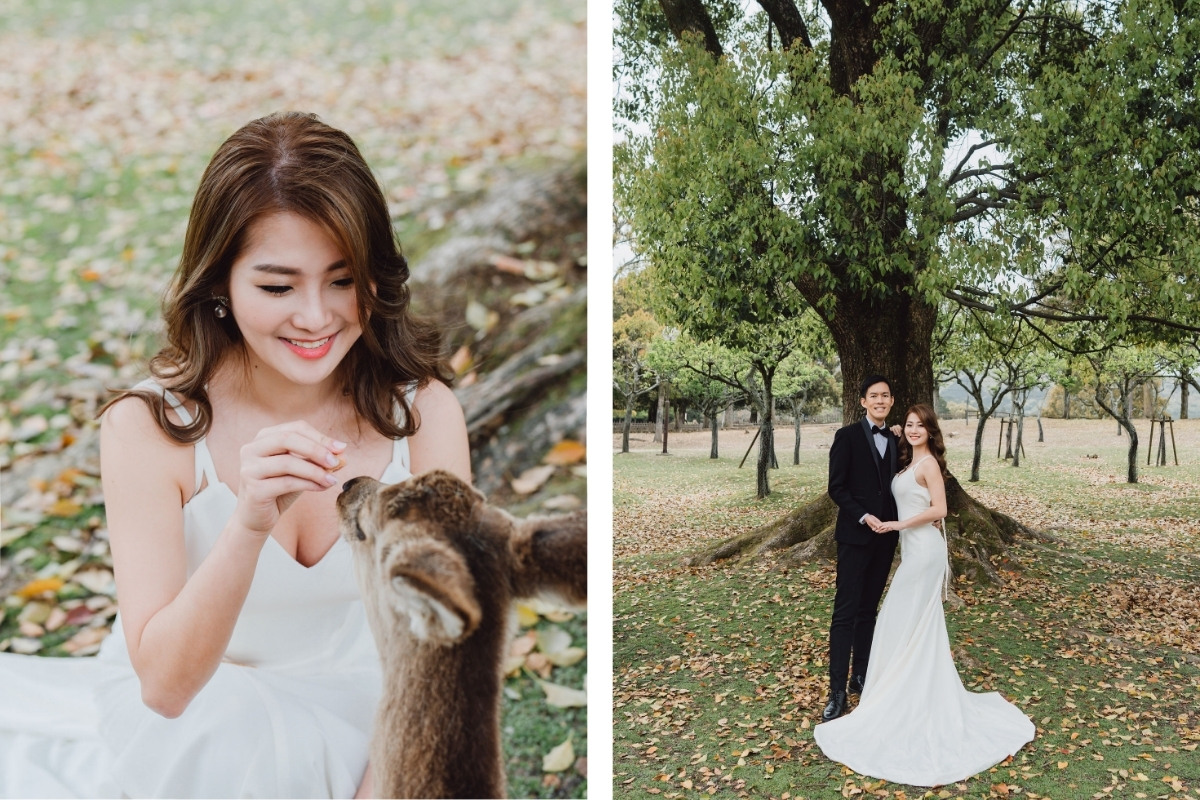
[(472, 116)]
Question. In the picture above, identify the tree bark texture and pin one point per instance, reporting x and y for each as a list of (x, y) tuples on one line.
[(891, 339), (712, 453), (1183, 396), (625, 425)]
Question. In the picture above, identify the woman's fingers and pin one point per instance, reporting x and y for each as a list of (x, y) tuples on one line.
[(263, 469), (294, 442)]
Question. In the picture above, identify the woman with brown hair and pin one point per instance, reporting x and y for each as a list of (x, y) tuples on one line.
[(915, 722), (240, 664)]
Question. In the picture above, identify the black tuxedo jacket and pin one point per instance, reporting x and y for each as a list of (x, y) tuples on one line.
[(860, 482)]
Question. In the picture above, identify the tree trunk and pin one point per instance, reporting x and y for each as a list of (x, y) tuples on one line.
[(1020, 430), (680, 414), (660, 420), (1007, 423), (766, 439), (753, 415), (1131, 476), (978, 455), (774, 460), (1066, 404), (1123, 423), (796, 420), (728, 416), (896, 343), (1183, 395), (627, 423), (712, 453), (1041, 437)]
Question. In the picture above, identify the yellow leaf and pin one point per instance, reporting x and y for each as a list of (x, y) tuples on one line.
[(34, 588), (526, 616), (560, 758), (566, 453), (64, 508), (1062, 765)]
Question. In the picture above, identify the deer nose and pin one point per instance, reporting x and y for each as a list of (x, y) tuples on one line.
[(346, 486)]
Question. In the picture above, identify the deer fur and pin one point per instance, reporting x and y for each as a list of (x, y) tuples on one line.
[(438, 569)]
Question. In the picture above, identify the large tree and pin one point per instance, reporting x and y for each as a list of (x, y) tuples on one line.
[(1034, 159)]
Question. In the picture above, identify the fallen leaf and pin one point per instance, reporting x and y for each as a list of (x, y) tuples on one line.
[(99, 581), (526, 616), (560, 758), (34, 588), (64, 508), (566, 453), (562, 696), (581, 766), (532, 479)]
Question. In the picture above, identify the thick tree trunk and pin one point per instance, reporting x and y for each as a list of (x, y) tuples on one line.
[(1132, 475), (766, 440), (892, 339)]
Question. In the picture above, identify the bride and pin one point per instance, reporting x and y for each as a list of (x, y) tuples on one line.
[(240, 664), (915, 722)]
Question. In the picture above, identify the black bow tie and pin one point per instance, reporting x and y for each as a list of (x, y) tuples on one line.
[(877, 430)]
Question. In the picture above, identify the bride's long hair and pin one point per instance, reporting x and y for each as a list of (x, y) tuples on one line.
[(937, 447)]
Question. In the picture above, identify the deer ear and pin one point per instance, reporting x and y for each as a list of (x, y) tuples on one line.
[(550, 557), (432, 585)]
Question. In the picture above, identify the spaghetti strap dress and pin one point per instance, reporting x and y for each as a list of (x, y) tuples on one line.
[(288, 712), (916, 723)]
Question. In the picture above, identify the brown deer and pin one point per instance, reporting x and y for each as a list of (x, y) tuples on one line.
[(438, 569)]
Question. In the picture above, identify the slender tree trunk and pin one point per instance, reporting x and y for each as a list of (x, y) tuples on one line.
[(1183, 395), (1132, 475), (712, 453), (796, 420), (1007, 423), (774, 460), (680, 416), (753, 415), (978, 456), (1041, 438), (660, 418), (1124, 423), (1066, 404), (766, 438), (1020, 430), (627, 423)]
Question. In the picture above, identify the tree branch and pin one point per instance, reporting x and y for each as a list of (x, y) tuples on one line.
[(786, 18), (691, 16)]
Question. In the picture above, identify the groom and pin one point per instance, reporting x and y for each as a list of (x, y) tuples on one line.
[(862, 463)]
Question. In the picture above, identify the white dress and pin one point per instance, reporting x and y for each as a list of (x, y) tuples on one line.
[(288, 712), (915, 722)]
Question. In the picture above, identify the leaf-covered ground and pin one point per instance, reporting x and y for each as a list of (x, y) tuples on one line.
[(721, 671), (109, 113)]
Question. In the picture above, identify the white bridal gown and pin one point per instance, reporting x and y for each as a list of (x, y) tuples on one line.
[(288, 712), (915, 722)]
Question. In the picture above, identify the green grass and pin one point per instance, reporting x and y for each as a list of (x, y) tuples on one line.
[(725, 667)]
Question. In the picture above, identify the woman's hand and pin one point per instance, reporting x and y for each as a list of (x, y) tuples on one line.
[(888, 527), (281, 462), (896, 429)]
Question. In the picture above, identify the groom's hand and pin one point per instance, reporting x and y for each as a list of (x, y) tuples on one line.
[(873, 522)]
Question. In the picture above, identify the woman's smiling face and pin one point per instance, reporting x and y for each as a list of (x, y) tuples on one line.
[(914, 431), (293, 298)]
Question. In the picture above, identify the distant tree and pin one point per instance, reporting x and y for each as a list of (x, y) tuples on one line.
[(1118, 370), (632, 335), (695, 363)]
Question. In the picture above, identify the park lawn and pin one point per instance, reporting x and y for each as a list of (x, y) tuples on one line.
[(1097, 640)]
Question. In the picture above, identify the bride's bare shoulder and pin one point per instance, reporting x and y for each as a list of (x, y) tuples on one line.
[(134, 447)]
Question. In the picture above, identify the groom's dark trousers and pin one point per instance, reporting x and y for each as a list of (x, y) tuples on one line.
[(860, 482)]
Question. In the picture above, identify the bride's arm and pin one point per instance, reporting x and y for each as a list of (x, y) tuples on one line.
[(176, 628), (929, 474)]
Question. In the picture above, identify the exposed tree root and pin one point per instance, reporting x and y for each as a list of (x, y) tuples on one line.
[(978, 537)]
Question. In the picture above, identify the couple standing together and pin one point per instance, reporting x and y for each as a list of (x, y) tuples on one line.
[(915, 722)]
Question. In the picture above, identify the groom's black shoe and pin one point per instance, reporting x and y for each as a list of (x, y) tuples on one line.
[(856, 684), (836, 707)]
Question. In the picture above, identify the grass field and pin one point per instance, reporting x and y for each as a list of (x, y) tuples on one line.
[(109, 112), (721, 671)]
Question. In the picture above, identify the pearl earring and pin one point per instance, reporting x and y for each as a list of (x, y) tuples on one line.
[(222, 309)]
